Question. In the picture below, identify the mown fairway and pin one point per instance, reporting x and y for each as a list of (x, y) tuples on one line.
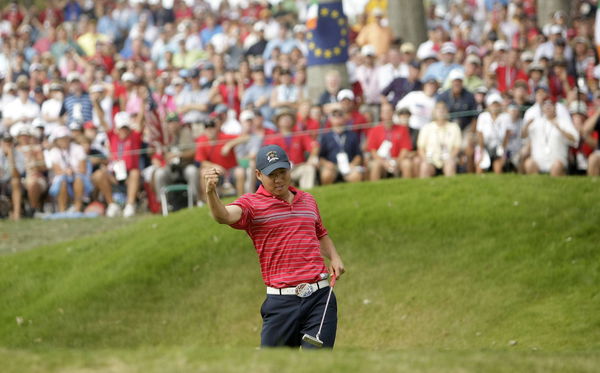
[(471, 274)]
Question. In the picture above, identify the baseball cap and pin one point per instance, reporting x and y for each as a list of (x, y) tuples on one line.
[(500, 45), (60, 132), (448, 47), (122, 119), (407, 48), (271, 157), (527, 56), (377, 12), (535, 67), (89, 125), (128, 77), (96, 88), (75, 126), (473, 59), (368, 50), (345, 94), (19, 129), (246, 115), (493, 98), (556, 29), (259, 26), (402, 109), (456, 74), (73, 76)]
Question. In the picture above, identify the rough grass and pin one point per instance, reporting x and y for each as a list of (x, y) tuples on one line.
[(467, 274)]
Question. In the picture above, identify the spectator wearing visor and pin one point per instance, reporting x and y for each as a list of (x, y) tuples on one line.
[(494, 129), (340, 154)]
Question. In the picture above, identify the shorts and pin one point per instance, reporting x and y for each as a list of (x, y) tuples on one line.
[(58, 180)]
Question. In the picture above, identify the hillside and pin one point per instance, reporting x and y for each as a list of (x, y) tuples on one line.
[(508, 265)]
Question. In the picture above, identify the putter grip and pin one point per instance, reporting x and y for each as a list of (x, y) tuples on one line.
[(332, 281)]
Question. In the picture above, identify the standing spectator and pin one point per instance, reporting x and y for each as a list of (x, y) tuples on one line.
[(493, 131), (354, 118), (304, 169), (285, 94), (439, 144), (192, 103), (215, 150), (176, 159), (389, 146), (441, 69), (77, 105), (50, 112), (462, 103), (12, 166), (229, 91), (257, 96), (340, 155), (592, 126), (376, 33), (420, 105), (508, 72), (395, 68), (550, 141), (68, 162), (366, 74), (35, 164), (400, 86)]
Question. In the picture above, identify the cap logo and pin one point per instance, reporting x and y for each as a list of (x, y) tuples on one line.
[(272, 156)]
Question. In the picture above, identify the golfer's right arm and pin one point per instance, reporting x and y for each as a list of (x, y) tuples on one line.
[(221, 213)]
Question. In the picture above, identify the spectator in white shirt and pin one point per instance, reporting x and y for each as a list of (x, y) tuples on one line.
[(395, 68), (420, 104), (550, 140), (22, 108), (366, 74), (51, 108), (494, 129)]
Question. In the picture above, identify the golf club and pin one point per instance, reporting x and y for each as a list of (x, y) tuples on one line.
[(315, 341)]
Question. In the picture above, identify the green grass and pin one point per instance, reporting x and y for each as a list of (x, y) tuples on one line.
[(469, 274)]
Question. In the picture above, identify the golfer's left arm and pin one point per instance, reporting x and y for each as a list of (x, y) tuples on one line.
[(336, 266)]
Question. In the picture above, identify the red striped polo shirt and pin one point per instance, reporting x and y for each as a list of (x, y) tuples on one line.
[(285, 235)]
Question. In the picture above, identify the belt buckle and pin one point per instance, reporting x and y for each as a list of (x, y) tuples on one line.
[(304, 290)]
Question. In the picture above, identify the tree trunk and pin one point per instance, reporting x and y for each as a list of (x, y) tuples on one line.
[(407, 20), (546, 9)]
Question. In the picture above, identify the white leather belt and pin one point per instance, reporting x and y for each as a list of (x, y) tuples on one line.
[(302, 290)]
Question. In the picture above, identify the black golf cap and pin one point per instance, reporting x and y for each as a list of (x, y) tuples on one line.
[(270, 158)]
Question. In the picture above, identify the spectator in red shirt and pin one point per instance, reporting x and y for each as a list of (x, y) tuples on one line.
[(389, 146), (356, 121), (125, 146), (304, 169), (215, 150), (291, 250), (508, 73)]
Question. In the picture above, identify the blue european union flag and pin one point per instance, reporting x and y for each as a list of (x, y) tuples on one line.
[(328, 42)]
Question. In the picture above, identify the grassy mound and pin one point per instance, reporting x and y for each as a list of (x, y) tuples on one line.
[(465, 264)]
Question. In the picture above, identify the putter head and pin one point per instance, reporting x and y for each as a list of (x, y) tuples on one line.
[(315, 341)]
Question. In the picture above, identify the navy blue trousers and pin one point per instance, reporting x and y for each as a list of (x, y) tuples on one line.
[(286, 318)]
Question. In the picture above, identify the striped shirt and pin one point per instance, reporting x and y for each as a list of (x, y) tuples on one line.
[(78, 108), (285, 235)]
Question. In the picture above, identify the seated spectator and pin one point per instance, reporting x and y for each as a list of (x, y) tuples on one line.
[(215, 149), (175, 161), (578, 156), (441, 69), (285, 94), (35, 164), (354, 118), (550, 141), (340, 154), (402, 117), (516, 150), (22, 108), (366, 75), (494, 129), (77, 106), (333, 84), (389, 146), (304, 169), (125, 146), (68, 163), (229, 91), (12, 166), (257, 96), (439, 144)]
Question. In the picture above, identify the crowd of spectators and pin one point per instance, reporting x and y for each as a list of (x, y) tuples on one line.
[(104, 103)]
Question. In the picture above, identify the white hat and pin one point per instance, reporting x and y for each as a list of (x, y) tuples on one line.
[(73, 76), (246, 115), (259, 26), (527, 56), (456, 74), (19, 129), (448, 47), (377, 12), (38, 122), (9, 86), (178, 81), (299, 28), (345, 94), (128, 77), (473, 59), (96, 88), (60, 132), (555, 29), (368, 50), (578, 107), (493, 98), (122, 119), (472, 49), (500, 45), (596, 73)]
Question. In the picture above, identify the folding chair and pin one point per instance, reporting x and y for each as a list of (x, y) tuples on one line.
[(171, 189)]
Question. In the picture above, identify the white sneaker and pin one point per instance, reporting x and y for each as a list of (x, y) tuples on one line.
[(129, 211), (113, 210)]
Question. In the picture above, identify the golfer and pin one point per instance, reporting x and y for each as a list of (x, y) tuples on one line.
[(285, 226)]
